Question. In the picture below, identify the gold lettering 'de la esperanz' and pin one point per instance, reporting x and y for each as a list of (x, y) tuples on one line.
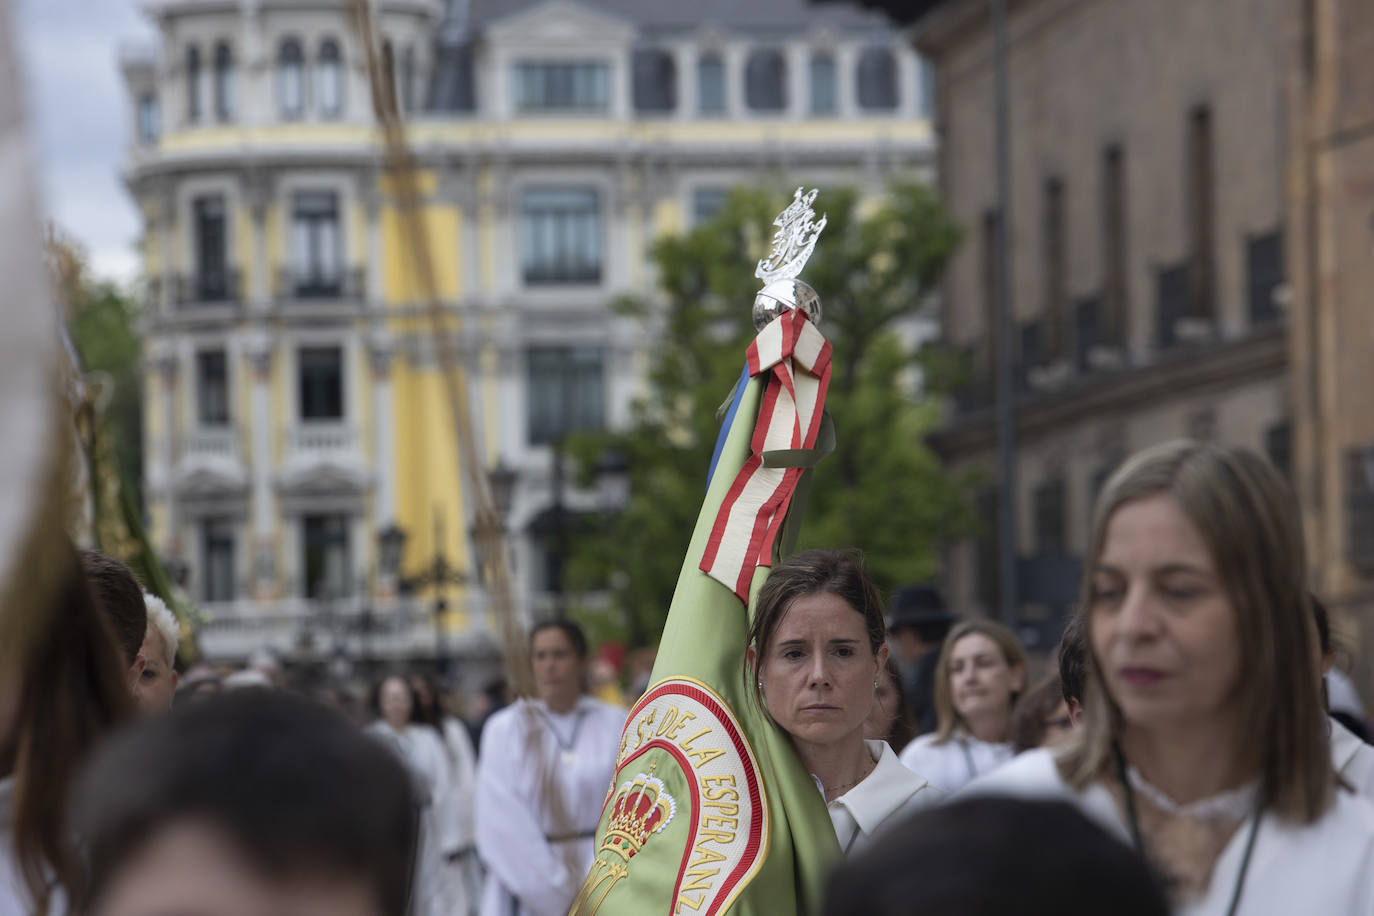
[(681, 724)]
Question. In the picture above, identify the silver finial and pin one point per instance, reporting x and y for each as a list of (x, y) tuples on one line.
[(792, 246), (794, 241)]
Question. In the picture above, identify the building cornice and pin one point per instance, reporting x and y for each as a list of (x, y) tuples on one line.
[(1186, 373)]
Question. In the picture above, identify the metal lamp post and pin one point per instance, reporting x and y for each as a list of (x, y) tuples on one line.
[(440, 574)]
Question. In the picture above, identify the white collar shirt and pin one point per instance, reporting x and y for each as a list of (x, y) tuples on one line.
[(881, 800)]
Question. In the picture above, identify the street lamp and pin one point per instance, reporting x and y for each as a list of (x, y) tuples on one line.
[(440, 574)]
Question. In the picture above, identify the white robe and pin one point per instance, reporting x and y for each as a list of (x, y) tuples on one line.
[(456, 821), (541, 784), (422, 751), (1353, 759), (1314, 868), (958, 761), (884, 799)]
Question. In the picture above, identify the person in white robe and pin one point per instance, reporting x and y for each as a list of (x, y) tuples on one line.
[(455, 809), (423, 753), (542, 775), (978, 679), (1204, 741), (817, 655)]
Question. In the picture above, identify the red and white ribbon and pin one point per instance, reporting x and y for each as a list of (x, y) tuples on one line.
[(796, 358)]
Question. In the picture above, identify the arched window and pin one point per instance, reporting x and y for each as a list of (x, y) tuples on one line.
[(329, 88), (822, 84), (710, 85), (655, 80), (224, 82), (407, 77), (291, 79), (195, 102), (388, 74), (765, 81), (877, 80)]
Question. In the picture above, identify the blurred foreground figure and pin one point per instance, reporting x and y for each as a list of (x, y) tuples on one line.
[(157, 685), (995, 857), (121, 597), (61, 689), (255, 802), (1204, 739), (455, 810), (542, 775)]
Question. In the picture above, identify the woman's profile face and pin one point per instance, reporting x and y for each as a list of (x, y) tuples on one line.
[(981, 681), (819, 670), (395, 702), (1161, 624), (886, 702)]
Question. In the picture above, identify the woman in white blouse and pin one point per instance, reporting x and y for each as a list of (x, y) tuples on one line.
[(817, 647), (1203, 741), (981, 673)]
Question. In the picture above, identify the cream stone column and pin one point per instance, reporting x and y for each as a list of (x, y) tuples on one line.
[(381, 350), (258, 192), (258, 350), (167, 364)]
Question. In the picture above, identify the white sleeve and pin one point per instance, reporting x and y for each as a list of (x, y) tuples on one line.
[(510, 838)]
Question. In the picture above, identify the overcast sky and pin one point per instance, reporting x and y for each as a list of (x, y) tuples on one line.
[(78, 120)]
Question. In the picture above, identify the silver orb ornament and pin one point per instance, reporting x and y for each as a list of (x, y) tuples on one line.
[(781, 295)]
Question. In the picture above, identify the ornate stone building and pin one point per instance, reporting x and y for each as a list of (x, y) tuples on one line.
[(293, 408)]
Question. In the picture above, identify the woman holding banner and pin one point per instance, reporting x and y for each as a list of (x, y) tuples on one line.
[(817, 650)]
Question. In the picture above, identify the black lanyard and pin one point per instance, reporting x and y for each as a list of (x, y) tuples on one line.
[(968, 760), (1140, 843)]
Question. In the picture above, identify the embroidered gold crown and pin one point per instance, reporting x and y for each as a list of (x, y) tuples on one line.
[(641, 809)]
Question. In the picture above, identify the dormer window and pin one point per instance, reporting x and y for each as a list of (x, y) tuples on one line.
[(224, 83), (822, 84), (655, 81), (571, 86), (877, 78), (291, 80), (765, 81), (195, 87), (710, 85), (149, 125), (329, 88)]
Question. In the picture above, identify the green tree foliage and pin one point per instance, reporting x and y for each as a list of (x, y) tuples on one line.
[(103, 324), (881, 490)]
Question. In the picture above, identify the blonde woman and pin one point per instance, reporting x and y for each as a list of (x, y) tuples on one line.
[(1203, 741), (980, 675)]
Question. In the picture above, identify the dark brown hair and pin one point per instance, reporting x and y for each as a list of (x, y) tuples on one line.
[(72, 691), (1248, 518), (122, 599), (832, 572), (1028, 722), (903, 728)]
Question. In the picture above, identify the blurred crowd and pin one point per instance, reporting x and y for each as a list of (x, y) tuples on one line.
[(1188, 747)]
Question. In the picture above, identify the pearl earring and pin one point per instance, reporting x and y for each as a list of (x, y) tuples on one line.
[(875, 685)]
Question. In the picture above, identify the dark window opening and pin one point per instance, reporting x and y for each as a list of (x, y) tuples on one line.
[(224, 83), (212, 387), (321, 383), (567, 392), (326, 556), (1201, 213), (212, 242), (1051, 529), (765, 81), (560, 235), (710, 85), (655, 81), (823, 97), (316, 246), (1055, 269), (1264, 276), (1115, 289), (217, 543), (877, 79)]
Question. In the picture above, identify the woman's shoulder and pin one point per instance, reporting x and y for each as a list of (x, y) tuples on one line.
[(1032, 774)]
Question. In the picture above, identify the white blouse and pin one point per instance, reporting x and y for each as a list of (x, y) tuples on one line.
[(884, 798), (1294, 868), (1353, 759), (955, 763)]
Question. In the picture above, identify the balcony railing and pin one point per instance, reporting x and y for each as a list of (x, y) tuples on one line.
[(220, 442), (217, 287), (311, 283), (314, 438)]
